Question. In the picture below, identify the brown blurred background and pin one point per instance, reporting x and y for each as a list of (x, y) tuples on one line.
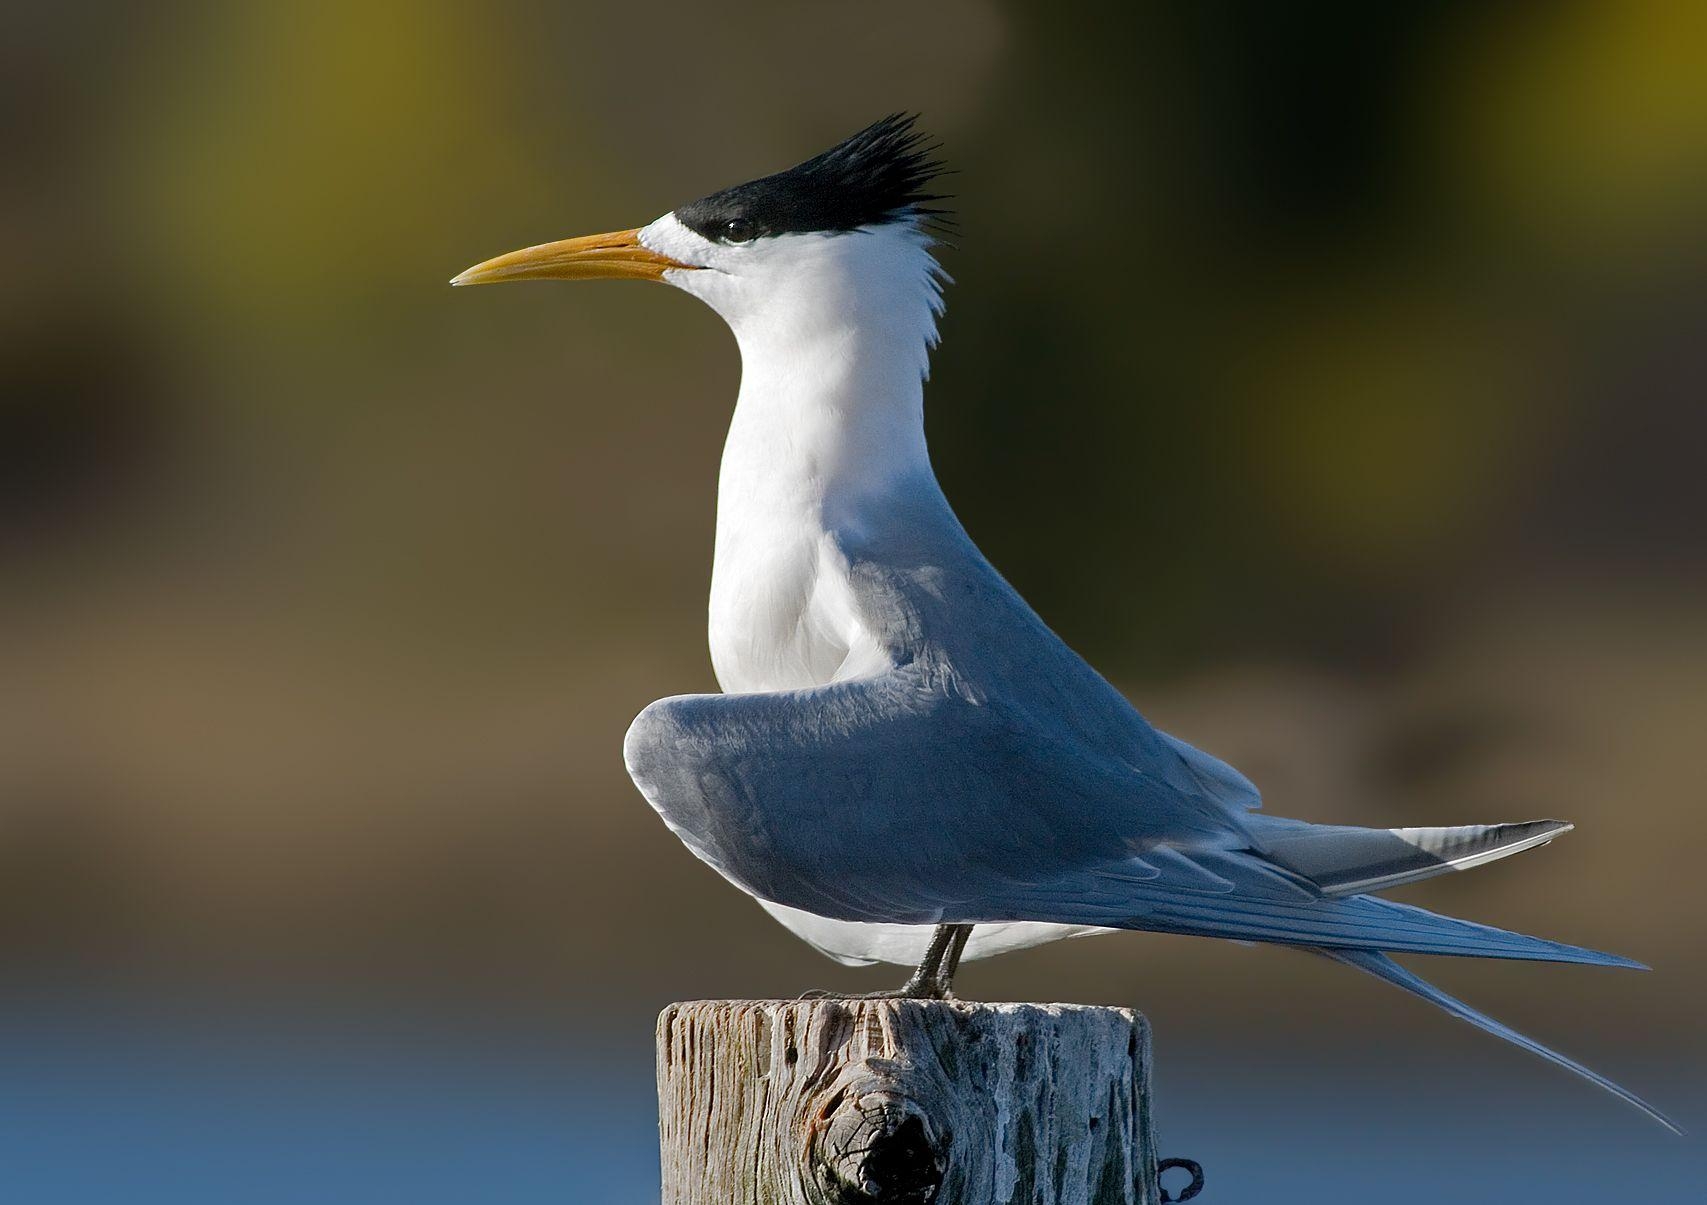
[(1332, 376)]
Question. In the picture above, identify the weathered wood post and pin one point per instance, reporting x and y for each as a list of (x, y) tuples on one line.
[(904, 1102)]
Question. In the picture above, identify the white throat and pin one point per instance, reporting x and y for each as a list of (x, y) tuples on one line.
[(833, 362), (835, 333)]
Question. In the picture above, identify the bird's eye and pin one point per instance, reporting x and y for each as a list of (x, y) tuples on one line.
[(739, 230)]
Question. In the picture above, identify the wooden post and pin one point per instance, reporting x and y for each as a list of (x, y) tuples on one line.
[(904, 1102)]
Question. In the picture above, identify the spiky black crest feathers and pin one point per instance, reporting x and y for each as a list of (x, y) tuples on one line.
[(882, 174)]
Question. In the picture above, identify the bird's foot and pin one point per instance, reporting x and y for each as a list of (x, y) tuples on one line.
[(924, 989), (913, 989)]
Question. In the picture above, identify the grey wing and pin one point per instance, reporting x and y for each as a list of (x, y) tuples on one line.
[(895, 799)]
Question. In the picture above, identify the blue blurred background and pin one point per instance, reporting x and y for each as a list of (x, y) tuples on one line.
[(1331, 375)]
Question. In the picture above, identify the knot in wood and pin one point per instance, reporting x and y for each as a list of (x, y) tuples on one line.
[(878, 1147)]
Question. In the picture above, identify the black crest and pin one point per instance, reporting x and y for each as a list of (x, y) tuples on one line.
[(879, 175)]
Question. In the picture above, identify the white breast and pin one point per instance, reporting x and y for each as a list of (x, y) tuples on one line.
[(783, 612), (782, 615)]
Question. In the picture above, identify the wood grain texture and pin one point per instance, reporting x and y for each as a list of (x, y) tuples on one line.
[(904, 1102)]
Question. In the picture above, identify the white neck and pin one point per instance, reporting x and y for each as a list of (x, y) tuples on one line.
[(828, 422), (834, 352), (835, 333)]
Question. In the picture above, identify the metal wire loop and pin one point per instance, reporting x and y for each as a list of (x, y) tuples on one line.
[(1192, 1189)]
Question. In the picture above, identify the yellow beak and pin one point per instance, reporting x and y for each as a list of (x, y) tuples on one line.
[(616, 256)]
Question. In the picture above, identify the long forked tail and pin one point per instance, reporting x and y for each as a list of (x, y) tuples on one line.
[(1383, 967)]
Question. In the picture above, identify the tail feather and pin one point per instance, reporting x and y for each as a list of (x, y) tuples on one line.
[(1383, 967), (1345, 860)]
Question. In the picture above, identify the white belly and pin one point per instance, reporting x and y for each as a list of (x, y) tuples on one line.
[(856, 944)]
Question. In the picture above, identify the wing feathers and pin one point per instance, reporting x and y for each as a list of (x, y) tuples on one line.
[(1358, 922), (1382, 967)]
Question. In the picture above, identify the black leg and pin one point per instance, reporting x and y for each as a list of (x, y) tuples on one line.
[(935, 974), (951, 960), (926, 981)]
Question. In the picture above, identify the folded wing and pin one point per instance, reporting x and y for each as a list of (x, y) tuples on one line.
[(893, 799)]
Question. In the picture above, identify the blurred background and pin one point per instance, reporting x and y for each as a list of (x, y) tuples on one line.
[(1332, 376)]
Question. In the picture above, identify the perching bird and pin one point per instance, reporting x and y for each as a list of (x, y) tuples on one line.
[(908, 765)]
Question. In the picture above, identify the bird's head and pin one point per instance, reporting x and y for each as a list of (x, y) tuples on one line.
[(839, 242)]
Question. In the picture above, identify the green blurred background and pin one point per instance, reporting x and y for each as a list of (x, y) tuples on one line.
[(1332, 376)]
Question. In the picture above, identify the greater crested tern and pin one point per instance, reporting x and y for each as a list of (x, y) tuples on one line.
[(908, 765)]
